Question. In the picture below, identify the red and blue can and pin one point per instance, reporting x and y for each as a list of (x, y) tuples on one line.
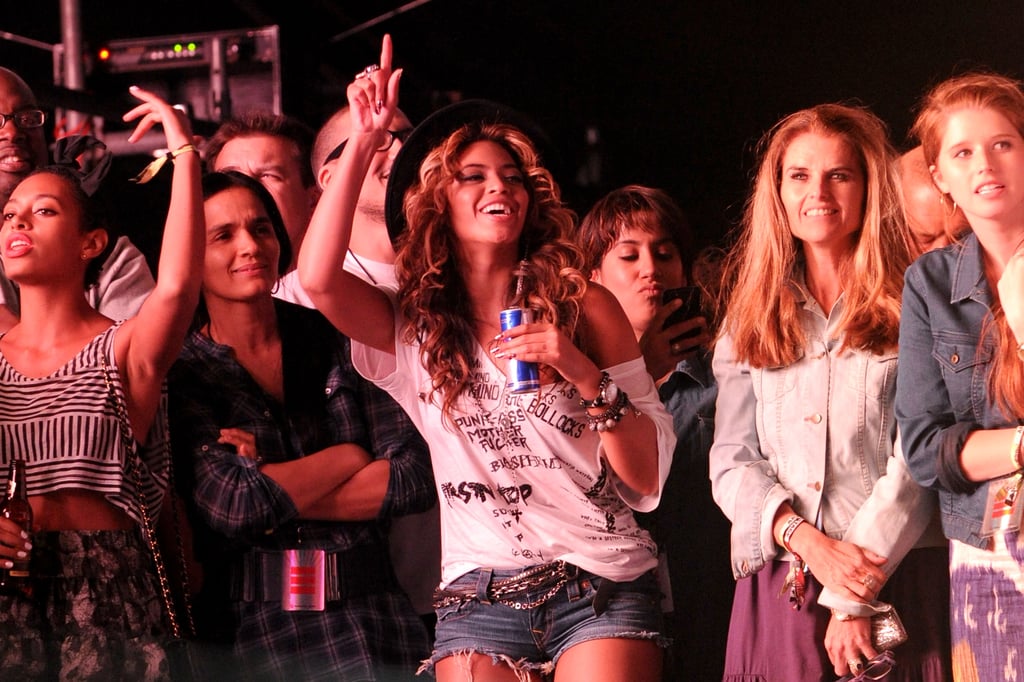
[(523, 377)]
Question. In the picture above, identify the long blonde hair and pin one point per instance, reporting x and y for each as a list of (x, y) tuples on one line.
[(432, 294), (760, 303), (979, 90)]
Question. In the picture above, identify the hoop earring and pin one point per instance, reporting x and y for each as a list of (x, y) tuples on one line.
[(942, 200)]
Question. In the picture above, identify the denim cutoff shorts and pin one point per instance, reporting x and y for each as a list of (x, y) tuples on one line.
[(534, 639)]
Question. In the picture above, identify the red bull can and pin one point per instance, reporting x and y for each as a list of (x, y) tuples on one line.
[(523, 377)]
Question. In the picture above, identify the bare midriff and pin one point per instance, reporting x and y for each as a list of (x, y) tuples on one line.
[(76, 510)]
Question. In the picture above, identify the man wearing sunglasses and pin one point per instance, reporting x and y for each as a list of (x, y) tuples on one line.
[(415, 538), (125, 279), (370, 255)]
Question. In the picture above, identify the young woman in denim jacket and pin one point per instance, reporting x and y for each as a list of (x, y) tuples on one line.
[(805, 460), (959, 395)]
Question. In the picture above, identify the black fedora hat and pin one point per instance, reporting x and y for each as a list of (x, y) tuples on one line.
[(438, 126)]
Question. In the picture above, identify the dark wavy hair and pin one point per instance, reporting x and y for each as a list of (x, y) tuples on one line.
[(634, 207), (432, 294)]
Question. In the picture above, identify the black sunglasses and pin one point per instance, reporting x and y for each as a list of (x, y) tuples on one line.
[(392, 135)]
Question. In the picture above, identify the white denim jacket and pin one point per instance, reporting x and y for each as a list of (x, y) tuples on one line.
[(819, 434)]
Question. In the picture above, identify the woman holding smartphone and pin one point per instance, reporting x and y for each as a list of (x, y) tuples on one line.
[(641, 249)]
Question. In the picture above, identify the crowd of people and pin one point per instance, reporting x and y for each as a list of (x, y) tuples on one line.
[(402, 412)]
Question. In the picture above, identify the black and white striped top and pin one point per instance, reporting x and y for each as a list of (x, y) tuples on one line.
[(66, 428)]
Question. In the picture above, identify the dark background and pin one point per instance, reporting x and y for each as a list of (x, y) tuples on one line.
[(679, 91)]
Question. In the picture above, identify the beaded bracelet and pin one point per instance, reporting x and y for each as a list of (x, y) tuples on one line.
[(612, 415), (1015, 453), (154, 166), (792, 523)]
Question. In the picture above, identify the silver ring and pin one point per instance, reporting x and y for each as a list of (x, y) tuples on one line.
[(868, 582), (676, 348), (855, 665), (380, 104), (368, 70)]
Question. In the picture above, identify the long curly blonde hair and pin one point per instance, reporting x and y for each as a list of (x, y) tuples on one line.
[(432, 295), (761, 309)]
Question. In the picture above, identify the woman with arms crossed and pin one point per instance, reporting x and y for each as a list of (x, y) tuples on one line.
[(293, 460)]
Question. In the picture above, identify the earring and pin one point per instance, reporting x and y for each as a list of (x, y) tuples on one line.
[(942, 200)]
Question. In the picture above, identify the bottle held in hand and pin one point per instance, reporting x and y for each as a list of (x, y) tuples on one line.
[(16, 508)]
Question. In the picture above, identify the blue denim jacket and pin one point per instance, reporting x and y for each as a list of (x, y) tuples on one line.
[(944, 365), (819, 434), (689, 395)]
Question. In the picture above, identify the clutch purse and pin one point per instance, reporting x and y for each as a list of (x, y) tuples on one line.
[(887, 631)]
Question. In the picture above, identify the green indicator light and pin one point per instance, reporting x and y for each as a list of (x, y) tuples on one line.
[(177, 47), (192, 47)]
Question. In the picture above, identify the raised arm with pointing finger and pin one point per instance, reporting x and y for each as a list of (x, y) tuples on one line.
[(80, 390), (535, 488)]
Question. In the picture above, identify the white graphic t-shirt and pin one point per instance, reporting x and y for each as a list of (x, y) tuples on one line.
[(522, 480)]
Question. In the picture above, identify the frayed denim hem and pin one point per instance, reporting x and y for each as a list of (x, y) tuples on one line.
[(544, 668), (658, 638), (521, 668)]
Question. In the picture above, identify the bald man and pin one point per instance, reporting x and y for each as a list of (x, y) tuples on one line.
[(370, 256), (415, 539), (933, 221)]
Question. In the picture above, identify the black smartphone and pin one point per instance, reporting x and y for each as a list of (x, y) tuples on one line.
[(691, 306)]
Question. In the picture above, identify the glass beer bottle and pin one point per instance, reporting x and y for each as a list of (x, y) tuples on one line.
[(16, 508)]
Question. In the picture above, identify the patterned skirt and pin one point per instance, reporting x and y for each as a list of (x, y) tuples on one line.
[(987, 604), (94, 611)]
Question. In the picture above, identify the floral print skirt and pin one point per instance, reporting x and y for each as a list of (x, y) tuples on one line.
[(94, 611)]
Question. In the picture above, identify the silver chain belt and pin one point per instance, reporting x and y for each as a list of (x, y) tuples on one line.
[(551, 576)]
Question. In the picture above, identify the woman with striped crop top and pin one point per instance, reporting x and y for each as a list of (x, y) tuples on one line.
[(72, 381)]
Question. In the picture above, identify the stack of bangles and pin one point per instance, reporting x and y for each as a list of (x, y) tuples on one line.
[(614, 401), (612, 415)]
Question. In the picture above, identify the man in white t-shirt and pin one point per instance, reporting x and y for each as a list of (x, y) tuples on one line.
[(415, 538), (371, 255)]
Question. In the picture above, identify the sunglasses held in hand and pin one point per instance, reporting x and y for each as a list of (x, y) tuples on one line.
[(876, 669)]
